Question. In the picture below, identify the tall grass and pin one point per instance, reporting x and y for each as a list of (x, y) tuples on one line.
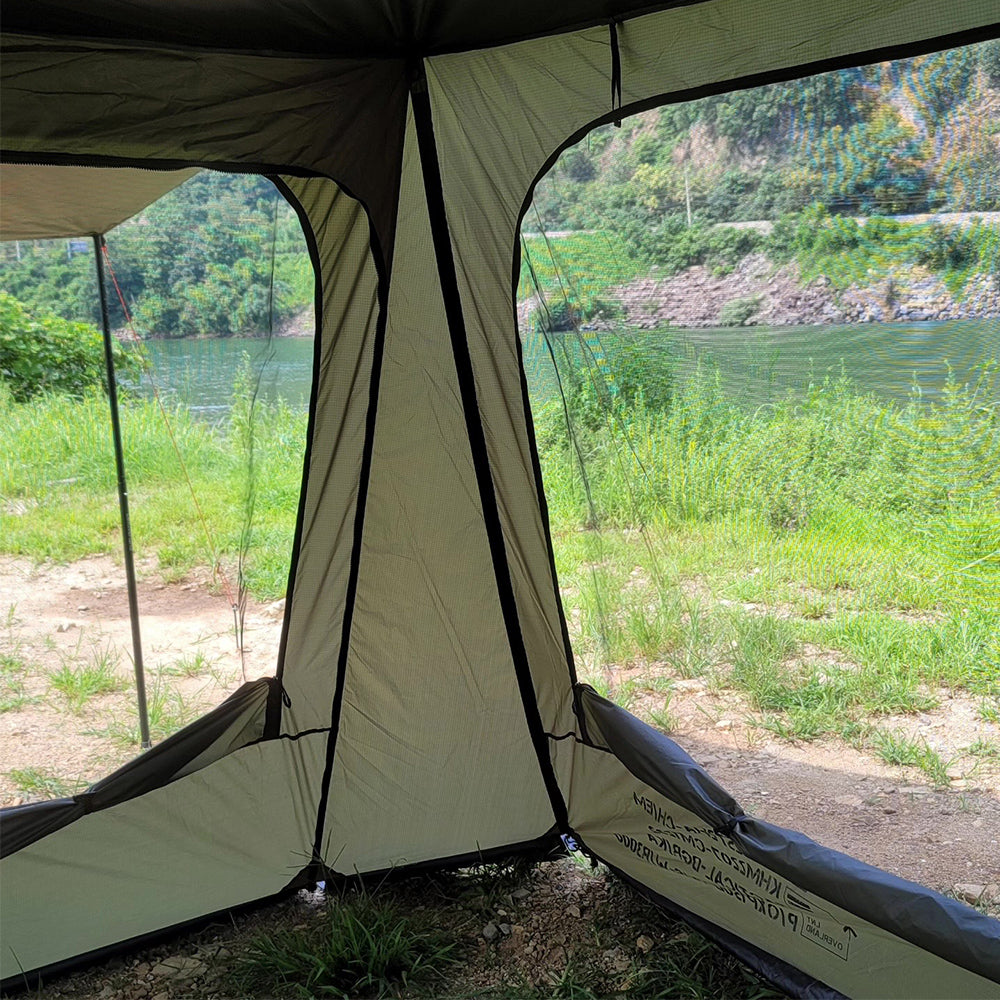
[(815, 453), (58, 496), (723, 540)]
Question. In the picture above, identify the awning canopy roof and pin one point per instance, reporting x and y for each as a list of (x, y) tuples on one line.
[(49, 202)]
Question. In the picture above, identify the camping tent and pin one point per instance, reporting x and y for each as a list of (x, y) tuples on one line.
[(425, 709)]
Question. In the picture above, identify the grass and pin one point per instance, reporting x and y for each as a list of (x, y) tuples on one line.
[(13, 667), (663, 718), (898, 748), (57, 462), (40, 782), (195, 665), (989, 710), (983, 747), (78, 684), (13, 693), (365, 946), (167, 712), (831, 556)]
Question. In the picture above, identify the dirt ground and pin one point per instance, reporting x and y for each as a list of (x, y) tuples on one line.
[(73, 617), (58, 617)]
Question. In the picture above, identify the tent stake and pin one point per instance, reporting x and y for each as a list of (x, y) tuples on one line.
[(116, 432)]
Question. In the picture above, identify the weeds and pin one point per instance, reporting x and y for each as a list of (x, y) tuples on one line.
[(989, 710), (363, 946), (13, 694), (663, 718), (79, 684), (984, 748), (167, 711), (13, 667), (194, 665), (898, 748), (42, 783)]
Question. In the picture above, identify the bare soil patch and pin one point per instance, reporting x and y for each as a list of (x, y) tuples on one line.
[(74, 617), (888, 816)]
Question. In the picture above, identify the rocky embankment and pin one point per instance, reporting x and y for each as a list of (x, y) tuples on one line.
[(756, 293)]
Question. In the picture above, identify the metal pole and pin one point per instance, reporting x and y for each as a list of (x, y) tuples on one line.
[(116, 433)]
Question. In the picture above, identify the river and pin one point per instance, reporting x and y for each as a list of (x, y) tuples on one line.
[(760, 363)]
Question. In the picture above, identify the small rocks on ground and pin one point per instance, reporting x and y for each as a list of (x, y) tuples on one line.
[(179, 967), (970, 892)]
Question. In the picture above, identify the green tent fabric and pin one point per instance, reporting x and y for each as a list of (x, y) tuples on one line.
[(425, 708)]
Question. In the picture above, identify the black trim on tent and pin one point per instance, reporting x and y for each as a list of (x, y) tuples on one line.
[(448, 278), (544, 848), (543, 503), (43, 159), (364, 479)]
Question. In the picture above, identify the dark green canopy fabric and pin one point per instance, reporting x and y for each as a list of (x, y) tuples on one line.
[(426, 706), (346, 29)]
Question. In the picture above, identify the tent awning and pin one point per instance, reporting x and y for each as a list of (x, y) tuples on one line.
[(50, 202)]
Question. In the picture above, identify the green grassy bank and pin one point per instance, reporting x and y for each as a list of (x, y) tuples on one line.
[(832, 557), (223, 488)]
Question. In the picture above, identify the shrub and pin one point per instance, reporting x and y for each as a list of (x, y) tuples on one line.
[(43, 353), (736, 312)]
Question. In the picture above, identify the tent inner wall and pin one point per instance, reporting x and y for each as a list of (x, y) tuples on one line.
[(431, 753), (347, 316), (432, 749)]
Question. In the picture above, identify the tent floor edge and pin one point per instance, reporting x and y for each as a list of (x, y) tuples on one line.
[(547, 847), (35, 979), (779, 973)]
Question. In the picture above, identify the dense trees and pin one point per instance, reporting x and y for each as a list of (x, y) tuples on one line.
[(222, 254), (893, 138)]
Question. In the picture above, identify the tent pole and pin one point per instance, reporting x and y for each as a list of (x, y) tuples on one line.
[(116, 433)]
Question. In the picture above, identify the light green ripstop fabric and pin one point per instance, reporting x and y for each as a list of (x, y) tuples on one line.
[(433, 756)]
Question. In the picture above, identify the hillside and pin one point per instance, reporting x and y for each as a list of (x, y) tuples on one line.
[(807, 162)]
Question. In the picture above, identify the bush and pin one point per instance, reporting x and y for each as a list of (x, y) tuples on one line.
[(737, 311), (675, 246), (43, 353), (605, 375)]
